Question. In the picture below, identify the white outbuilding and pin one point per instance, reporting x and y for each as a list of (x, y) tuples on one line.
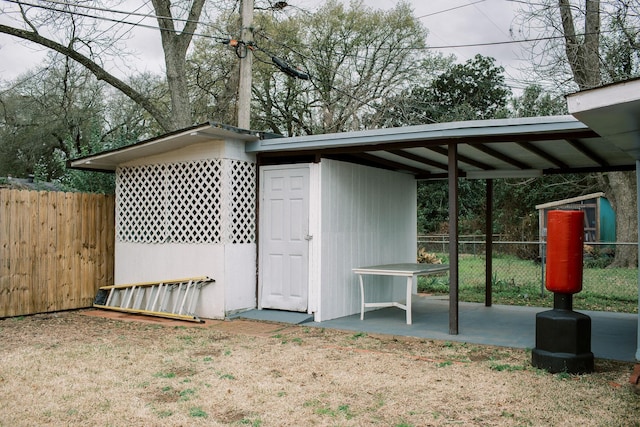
[(187, 205), (281, 223)]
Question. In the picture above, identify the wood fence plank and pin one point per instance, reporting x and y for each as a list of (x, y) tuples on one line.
[(52, 258), (33, 241), (16, 264), (70, 230), (56, 250), (76, 251), (5, 249), (46, 243), (20, 219), (60, 274), (110, 240), (87, 270), (12, 241)]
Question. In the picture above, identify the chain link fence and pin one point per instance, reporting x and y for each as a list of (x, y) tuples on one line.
[(518, 271)]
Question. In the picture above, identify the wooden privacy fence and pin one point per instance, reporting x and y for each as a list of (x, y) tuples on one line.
[(56, 250)]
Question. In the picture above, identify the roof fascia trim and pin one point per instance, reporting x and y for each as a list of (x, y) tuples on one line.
[(603, 96), (570, 200), (219, 130), (439, 131)]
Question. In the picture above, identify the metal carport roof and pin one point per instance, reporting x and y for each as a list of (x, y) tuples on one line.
[(486, 149)]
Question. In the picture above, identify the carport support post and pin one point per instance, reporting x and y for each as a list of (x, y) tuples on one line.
[(638, 203), (453, 238), (488, 251)]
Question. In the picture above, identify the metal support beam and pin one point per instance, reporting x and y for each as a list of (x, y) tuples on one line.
[(453, 238), (488, 292), (638, 209)]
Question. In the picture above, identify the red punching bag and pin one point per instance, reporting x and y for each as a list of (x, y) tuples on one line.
[(565, 238)]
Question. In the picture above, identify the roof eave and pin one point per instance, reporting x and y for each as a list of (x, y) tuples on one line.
[(613, 111), (108, 161), (423, 133)]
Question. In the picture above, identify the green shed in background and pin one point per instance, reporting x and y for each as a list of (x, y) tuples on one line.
[(599, 217)]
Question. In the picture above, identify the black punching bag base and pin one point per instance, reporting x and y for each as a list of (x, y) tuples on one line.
[(563, 340), (562, 362)]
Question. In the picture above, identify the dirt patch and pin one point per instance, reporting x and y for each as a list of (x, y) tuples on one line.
[(73, 369), (231, 417)]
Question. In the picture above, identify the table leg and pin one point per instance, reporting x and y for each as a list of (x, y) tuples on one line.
[(361, 297), (409, 292)]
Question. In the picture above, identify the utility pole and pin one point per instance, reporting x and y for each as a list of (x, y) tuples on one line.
[(246, 62)]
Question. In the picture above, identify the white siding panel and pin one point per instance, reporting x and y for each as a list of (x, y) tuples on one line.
[(315, 248), (368, 217)]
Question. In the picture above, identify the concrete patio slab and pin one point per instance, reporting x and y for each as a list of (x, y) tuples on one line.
[(613, 335)]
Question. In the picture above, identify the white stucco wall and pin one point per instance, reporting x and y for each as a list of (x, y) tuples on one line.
[(240, 277), (231, 265), (368, 217), (140, 262)]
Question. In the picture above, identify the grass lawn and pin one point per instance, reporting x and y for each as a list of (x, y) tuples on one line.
[(518, 282), (72, 369)]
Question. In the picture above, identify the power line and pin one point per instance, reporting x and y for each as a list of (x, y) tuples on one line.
[(449, 10), (351, 55), (504, 42), (222, 39), (370, 104), (99, 9), (280, 64), (121, 36), (310, 78), (118, 21), (499, 29)]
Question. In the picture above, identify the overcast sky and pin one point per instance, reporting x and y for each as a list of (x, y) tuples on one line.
[(449, 22), (468, 22), (462, 22)]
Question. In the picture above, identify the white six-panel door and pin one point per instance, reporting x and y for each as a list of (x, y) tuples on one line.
[(283, 264)]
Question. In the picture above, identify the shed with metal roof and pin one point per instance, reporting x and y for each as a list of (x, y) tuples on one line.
[(599, 216), (353, 193)]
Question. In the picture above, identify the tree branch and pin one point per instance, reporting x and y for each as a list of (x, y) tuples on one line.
[(96, 70), (591, 47), (572, 46)]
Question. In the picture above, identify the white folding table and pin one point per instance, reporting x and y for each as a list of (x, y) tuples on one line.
[(408, 270)]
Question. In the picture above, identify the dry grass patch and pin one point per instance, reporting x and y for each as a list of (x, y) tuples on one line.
[(70, 369)]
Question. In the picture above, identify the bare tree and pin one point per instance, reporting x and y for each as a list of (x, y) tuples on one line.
[(582, 49), (175, 44), (354, 56), (584, 58), (60, 111), (84, 43), (359, 56)]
